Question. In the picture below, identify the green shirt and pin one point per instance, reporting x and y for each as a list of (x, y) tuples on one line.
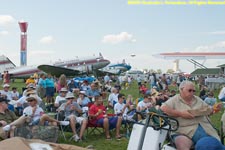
[(8, 116)]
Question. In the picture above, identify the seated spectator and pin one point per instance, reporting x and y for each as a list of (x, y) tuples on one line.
[(192, 115), (72, 111), (113, 97), (15, 93), (203, 92), (76, 92), (38, 117), (71, 85), (210, 99), (29, 87), (143, 89), (172, 93), (221, 95), (83, 100), (61, 97), (121, 109), (144, 105), (94, 91), (6, 116), (34, 115), (97, 114)]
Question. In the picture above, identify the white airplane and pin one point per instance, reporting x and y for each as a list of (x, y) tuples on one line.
[(116, 68), (69, 67)]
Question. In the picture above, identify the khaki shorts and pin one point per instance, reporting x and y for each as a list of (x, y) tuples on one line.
[(3, 134), (78, 119)]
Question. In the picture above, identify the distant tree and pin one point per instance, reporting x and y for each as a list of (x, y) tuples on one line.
[(170, 71), (152, 70), (159, 71), (145, 70)]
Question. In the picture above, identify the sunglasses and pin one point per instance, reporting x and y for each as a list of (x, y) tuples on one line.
[(70, 98), (191, 90), (31, 100)]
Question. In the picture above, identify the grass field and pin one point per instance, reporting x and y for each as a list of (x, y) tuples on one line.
[(98, 139)]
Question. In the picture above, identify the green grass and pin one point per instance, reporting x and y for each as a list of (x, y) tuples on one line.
[(98, 139)]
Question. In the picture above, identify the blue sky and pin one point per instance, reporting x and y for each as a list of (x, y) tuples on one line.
[(70, 28)]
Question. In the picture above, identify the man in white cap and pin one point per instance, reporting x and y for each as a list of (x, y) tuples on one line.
[(35, 115), (72, 111), (6, 91), (61, 97)]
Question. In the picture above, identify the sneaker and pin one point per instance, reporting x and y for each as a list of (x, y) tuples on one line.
[(6, 128), (64, 123), (76, 138)]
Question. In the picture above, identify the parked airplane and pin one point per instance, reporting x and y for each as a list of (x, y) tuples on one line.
[(69, 68), (116, 68)]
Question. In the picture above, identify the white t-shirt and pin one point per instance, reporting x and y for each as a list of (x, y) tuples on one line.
[(37, 114), (118, 108), (59, 98), (8, 94), (222, 93), (142, 105), (15, 94), (113, 97)]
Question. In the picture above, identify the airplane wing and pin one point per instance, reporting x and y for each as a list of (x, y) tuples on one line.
[(192, 55), (113, 71), (57, 71)]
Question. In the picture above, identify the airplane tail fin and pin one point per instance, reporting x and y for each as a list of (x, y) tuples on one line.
[(100, 55), (6, 64), (123, 61)]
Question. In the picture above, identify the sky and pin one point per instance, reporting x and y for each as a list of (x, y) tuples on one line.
[(60, 30)]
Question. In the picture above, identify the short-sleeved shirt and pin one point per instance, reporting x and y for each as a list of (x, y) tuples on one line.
[(68, 110), (143, 104), (37, 114), (222, 93), (113, 98), (189, 126), (59, 98), (118, 108), (94, 109), (8, 116), (83, 102)]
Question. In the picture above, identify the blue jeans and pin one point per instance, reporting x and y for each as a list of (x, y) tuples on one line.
[(199, 133)]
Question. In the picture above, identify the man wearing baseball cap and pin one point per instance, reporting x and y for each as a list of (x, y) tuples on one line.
[(72, 111), (34, 115), (6, 117)]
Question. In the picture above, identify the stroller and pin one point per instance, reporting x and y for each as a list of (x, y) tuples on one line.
[(152, 132)]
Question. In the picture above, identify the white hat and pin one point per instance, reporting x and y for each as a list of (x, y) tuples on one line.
[(69, 95), (82, 92), (63, 90), (6, 85), (31, 85), (32, 97)]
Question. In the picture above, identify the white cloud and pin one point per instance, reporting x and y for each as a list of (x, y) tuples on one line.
[(6, 19), (47, 40), (117, 38), (217, 33), (4, 32), (213, 47)]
